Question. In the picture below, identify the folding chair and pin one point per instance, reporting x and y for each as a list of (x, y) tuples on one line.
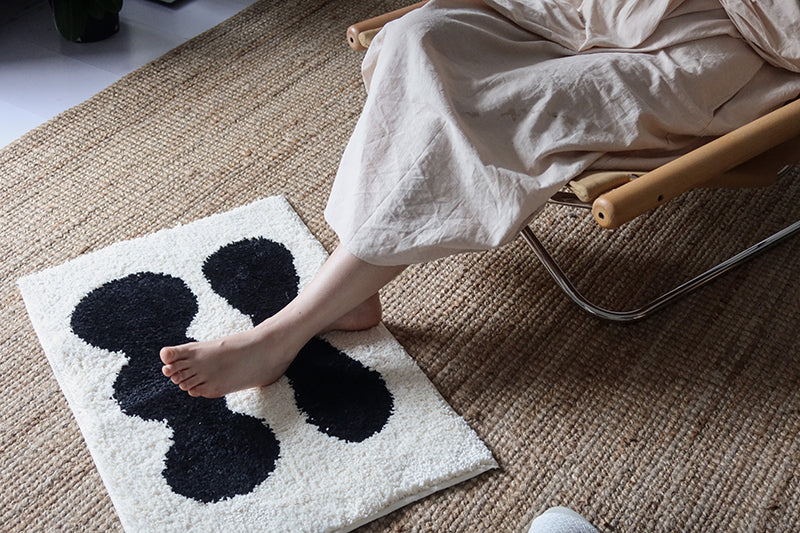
[(750, 156)]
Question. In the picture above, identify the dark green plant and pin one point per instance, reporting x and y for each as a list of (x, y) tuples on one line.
[(86, 20)]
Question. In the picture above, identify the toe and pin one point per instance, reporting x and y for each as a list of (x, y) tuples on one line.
[(205, 390), (183, 376), (167, 355), (172, 370), (178, 372), (191, 383)]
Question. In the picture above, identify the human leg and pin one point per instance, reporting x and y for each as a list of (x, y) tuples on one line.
[(343, 295)]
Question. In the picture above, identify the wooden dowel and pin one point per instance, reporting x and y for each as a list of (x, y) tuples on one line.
[(760, 171), (374, 24), (698, 166)]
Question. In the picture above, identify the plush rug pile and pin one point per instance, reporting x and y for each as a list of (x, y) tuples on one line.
[(688, 421), (351, 432)]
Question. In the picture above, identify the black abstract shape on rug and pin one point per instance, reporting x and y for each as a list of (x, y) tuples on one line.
[(338, 394), (256, 276), (216, 453)]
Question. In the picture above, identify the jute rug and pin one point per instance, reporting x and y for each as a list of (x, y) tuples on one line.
[(687, 421), (352, 431)]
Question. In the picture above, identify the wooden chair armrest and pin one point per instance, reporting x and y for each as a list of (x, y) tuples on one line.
[(760, 171), (359, 35), (698, 167)]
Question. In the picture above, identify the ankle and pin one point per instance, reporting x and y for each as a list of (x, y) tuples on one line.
[(283, 333), (364, 316)]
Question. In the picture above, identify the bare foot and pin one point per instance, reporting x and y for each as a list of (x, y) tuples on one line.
[(253, 358), (215, 368)]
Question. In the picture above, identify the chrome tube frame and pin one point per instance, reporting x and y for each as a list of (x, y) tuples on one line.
[(659, 303)]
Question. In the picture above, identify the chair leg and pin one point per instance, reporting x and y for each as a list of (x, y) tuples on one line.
[(646, 310)]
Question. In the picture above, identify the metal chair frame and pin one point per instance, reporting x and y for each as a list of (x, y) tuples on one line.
[(658, 303)]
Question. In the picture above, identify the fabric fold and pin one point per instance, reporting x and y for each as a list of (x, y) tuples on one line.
[(473, 119)]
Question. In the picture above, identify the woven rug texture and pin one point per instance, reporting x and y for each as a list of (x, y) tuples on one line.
[(687, 421)]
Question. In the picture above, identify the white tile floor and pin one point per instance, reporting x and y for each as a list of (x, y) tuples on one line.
[(42, 74)]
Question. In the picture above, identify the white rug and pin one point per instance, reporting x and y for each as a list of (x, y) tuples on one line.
[(352, 432)]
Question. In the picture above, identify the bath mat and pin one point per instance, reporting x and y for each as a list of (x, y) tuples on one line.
[(353, 430)]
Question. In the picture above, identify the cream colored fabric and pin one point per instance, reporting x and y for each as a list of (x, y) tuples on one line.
[(771, 26), (474, 120), (622, 24)]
